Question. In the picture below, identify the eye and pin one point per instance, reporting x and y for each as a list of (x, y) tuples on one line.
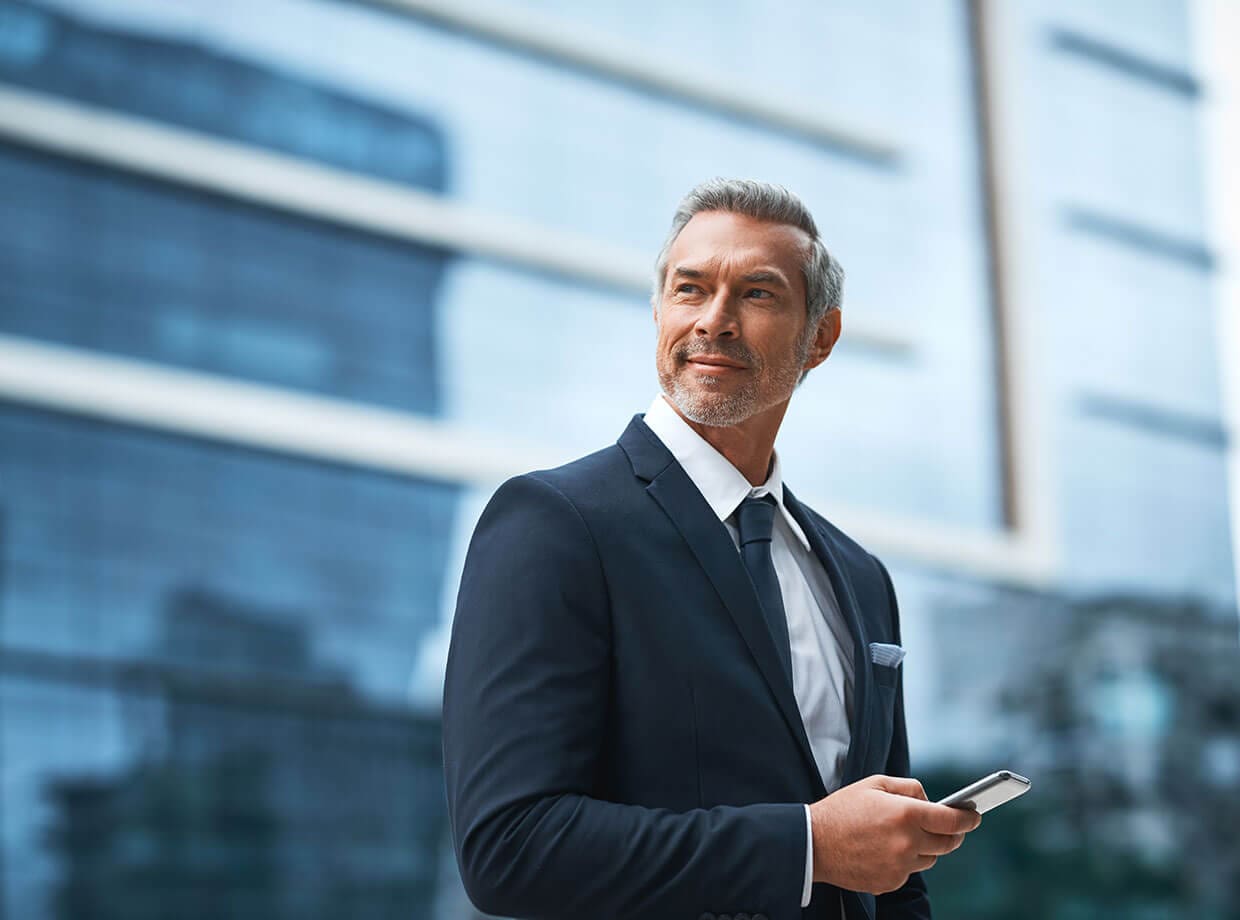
[(759, 293), (687, 288)]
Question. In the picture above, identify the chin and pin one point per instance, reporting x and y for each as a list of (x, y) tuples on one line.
[(712, 407)]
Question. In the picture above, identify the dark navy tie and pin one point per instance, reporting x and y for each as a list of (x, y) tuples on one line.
[(754, 519)]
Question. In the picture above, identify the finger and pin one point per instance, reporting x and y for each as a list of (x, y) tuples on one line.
[(900, 785), (938, 844), (922, 863), (943, 819)]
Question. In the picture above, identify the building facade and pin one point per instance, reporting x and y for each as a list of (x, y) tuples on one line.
[(286, 289)]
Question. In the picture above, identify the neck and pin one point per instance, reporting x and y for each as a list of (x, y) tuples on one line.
[(749, 446)]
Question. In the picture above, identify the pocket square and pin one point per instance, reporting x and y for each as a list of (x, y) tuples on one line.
[(887, 655)]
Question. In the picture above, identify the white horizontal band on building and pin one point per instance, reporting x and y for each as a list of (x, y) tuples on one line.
[(225, 409), (299, 186), (234, 411), (554, 37)]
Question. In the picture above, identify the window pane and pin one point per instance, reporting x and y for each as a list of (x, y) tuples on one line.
[(208, 655)]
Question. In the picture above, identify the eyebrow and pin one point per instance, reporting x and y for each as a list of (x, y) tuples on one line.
[(763, 276), (766, 277)]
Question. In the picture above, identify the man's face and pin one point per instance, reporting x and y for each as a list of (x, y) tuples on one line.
[(732, 336)]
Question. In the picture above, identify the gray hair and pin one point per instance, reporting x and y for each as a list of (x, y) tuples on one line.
[(824, 276)]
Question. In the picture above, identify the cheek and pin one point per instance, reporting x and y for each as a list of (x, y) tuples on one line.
[(666, 339), (663, 360)]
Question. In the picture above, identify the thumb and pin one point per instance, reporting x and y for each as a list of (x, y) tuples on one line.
[(899, 785)]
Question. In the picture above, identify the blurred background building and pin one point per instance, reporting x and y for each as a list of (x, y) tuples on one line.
[(287, 288)]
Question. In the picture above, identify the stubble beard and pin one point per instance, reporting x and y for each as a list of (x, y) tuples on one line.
[(720, 409)]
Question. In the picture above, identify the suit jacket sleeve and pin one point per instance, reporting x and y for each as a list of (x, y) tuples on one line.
[(525, 721), (909, 901)]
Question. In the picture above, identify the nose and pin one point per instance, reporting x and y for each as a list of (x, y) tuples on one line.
[(718, 319)]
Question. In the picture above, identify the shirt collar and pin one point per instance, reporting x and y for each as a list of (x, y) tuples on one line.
[(721, 484)]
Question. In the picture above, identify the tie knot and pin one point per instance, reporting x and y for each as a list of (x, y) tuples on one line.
[(754, 519)]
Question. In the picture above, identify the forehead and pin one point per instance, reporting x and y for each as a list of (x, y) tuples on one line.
[(722, 240)]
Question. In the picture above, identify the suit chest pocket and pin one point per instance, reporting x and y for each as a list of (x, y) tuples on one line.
[(885, 676), (886, 679)]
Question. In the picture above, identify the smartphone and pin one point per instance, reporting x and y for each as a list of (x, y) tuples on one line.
[(989, 792)]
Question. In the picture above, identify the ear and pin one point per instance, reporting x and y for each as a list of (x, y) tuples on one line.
[(825, 337)]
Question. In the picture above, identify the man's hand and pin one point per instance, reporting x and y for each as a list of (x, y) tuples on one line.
[(872, 835)]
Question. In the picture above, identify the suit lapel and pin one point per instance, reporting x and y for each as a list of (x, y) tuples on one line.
[(708, 539), (832, 555)]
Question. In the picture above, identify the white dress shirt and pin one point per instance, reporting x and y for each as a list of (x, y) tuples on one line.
[(822, 664)]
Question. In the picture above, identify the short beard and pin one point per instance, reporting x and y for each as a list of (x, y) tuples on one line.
[(746, 402)]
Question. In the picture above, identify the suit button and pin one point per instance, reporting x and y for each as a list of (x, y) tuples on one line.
[(708, 917), (740, 917), (759, 917), (724, 917)]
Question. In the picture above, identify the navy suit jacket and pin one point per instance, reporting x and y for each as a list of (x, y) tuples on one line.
[(619, 738)]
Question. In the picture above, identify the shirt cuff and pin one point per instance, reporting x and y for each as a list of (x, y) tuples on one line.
[(807, 888)]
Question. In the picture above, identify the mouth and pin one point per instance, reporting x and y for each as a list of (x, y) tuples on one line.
[(715, 364)]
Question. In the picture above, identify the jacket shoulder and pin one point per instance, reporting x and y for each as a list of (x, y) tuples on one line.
[(586, 485), (588, 473)]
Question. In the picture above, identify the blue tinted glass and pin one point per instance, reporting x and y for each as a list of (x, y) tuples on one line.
[(101, 260), (208, 653), (132, 795), (189, 84), (104, 261), (136, 546)]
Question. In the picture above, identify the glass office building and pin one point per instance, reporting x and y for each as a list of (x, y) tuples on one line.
[(287, 288)]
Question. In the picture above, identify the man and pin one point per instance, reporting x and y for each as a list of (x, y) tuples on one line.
[(662, 662)]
